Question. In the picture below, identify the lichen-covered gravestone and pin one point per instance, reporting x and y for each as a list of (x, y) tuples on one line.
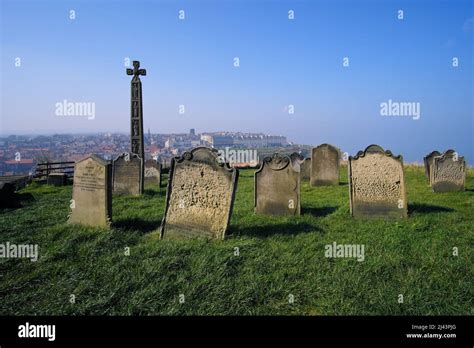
[(91, 202), (448, 172), (200, 196), (325, 165), (377, 184), (277, 186), (152, 173), (305, 169), (428, 161), (128, 174)]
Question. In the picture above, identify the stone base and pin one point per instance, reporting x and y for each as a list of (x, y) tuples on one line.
[(57, 179)]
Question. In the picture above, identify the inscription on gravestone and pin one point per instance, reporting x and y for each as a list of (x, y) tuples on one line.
[(128, 174), (377, 184), (448, 172), (277, 186), (428, 161), (200, 196), (152, 172), (325, 165), (91, 202)]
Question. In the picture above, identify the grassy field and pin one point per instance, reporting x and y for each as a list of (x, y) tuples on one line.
[(280, 258)]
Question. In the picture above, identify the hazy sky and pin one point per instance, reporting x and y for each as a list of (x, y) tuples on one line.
[(190, 62)]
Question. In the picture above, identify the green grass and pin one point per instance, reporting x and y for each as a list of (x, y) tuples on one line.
[(279, 256)]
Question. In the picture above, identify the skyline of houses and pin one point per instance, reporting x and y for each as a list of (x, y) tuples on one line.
[(19, 154)]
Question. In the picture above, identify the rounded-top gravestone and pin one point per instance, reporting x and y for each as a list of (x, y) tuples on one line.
[(325, 165), (277, 186)]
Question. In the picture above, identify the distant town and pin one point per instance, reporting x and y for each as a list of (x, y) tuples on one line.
[(19, 154)]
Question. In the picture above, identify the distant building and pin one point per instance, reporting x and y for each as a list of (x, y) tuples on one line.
[(243, 140), (222, 140)]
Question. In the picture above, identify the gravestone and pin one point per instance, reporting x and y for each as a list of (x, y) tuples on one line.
[(296, 158), (448, 172), (128, 174), (200, 196), (92, 192), (325, 165), (428, 161), (277, 186), (152, 173), (305, 169), (377, 184)]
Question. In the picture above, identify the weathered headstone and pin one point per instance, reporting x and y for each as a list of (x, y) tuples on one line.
[(448, 172), (428, 161), (277, 186), (91, 202), (296, 158), (200, 196), (325, 165), (57, 179), (377, 184), (305, 169), (152, 173), (128, 174)]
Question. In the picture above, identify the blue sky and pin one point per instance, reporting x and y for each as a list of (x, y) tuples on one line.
[(282, 62)]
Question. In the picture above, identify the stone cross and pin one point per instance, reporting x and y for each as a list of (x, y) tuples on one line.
[(136, 111)]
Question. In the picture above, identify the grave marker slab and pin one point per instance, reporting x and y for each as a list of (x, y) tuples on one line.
[(152, 173), (200, 196), (448, 172), (92, 192), (305, 169), (296, 158), (377, 184), (128, 174), (325, 165), (428, 161), (277, 186)]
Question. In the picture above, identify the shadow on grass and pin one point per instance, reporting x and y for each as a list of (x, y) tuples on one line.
[(423, 208), (137, 224), (154, 192), (343, 183), (25, 197), (270, 230), (320, 211)]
